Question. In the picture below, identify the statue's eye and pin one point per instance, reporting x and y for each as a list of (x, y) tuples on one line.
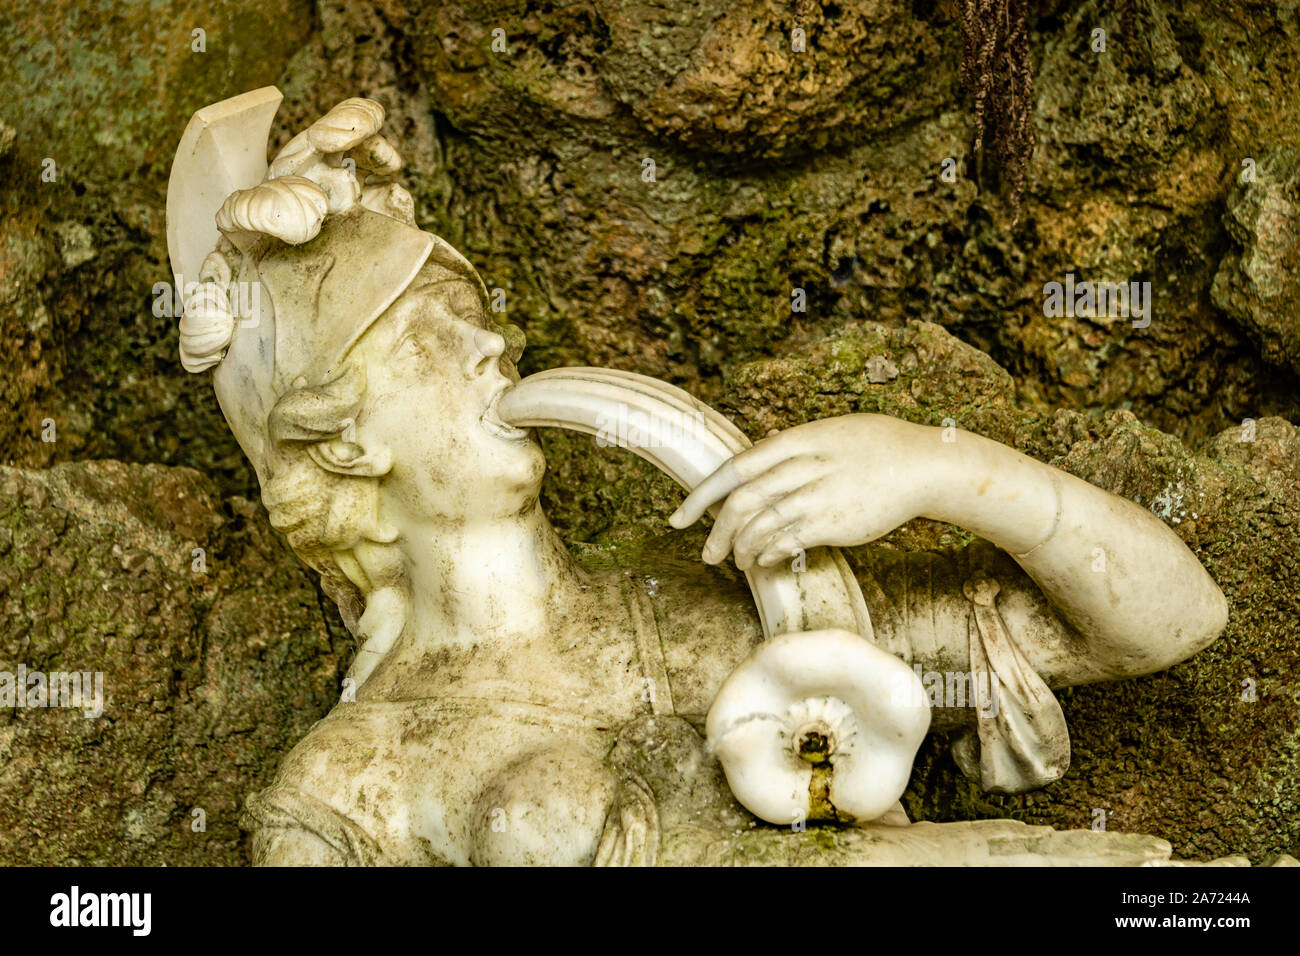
[(409, 346)]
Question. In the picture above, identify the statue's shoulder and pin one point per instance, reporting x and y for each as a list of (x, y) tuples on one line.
[(698, 620)]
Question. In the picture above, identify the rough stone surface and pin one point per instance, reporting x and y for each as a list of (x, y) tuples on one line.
[(1186, 755), (209, 676), (100, 94), (1204, 754), (1259, 286)]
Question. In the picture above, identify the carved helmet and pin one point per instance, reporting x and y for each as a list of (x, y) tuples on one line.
[(307, 253)]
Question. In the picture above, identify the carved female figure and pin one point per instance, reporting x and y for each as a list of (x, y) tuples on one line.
[(511, 706)]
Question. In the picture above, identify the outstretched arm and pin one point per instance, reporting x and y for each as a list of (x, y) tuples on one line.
[(1118, 577)]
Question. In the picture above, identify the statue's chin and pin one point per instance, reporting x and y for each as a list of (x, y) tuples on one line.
[(520, 481)]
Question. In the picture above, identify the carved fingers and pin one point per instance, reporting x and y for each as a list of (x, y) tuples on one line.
[(839, 481), (736, 471), (781, 528), (631, 835), (771, 492), (756, 500)]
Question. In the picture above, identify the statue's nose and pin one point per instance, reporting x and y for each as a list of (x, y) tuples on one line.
[(489, 344)]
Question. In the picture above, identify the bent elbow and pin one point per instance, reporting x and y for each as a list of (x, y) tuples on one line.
[(1201, 623), (1195, 626), (1214, 620)]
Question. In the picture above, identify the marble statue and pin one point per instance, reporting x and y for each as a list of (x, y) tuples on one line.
[(510, 706)]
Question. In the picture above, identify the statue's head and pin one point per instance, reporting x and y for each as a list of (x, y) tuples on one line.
[(363, 386)]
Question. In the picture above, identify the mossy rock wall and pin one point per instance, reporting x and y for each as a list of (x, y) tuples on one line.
[(213, 647)]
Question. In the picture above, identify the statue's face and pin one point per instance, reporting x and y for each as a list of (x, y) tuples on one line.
[(435, 368)]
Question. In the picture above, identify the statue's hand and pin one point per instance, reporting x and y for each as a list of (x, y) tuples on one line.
[(631, 835), (840, 481)]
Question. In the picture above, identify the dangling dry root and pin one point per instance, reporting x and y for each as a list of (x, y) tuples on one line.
[(998, 71)]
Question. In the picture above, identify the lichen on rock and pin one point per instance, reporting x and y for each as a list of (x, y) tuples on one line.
[(214, 649)]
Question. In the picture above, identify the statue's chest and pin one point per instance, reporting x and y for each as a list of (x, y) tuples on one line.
[(602, 660)]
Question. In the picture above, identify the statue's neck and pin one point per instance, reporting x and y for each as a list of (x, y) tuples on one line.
[(498, 580)]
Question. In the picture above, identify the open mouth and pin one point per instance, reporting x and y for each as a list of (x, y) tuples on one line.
[(493, 422)]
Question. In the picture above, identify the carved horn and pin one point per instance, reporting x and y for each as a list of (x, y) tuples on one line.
[(690, 442), (818, 665)]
